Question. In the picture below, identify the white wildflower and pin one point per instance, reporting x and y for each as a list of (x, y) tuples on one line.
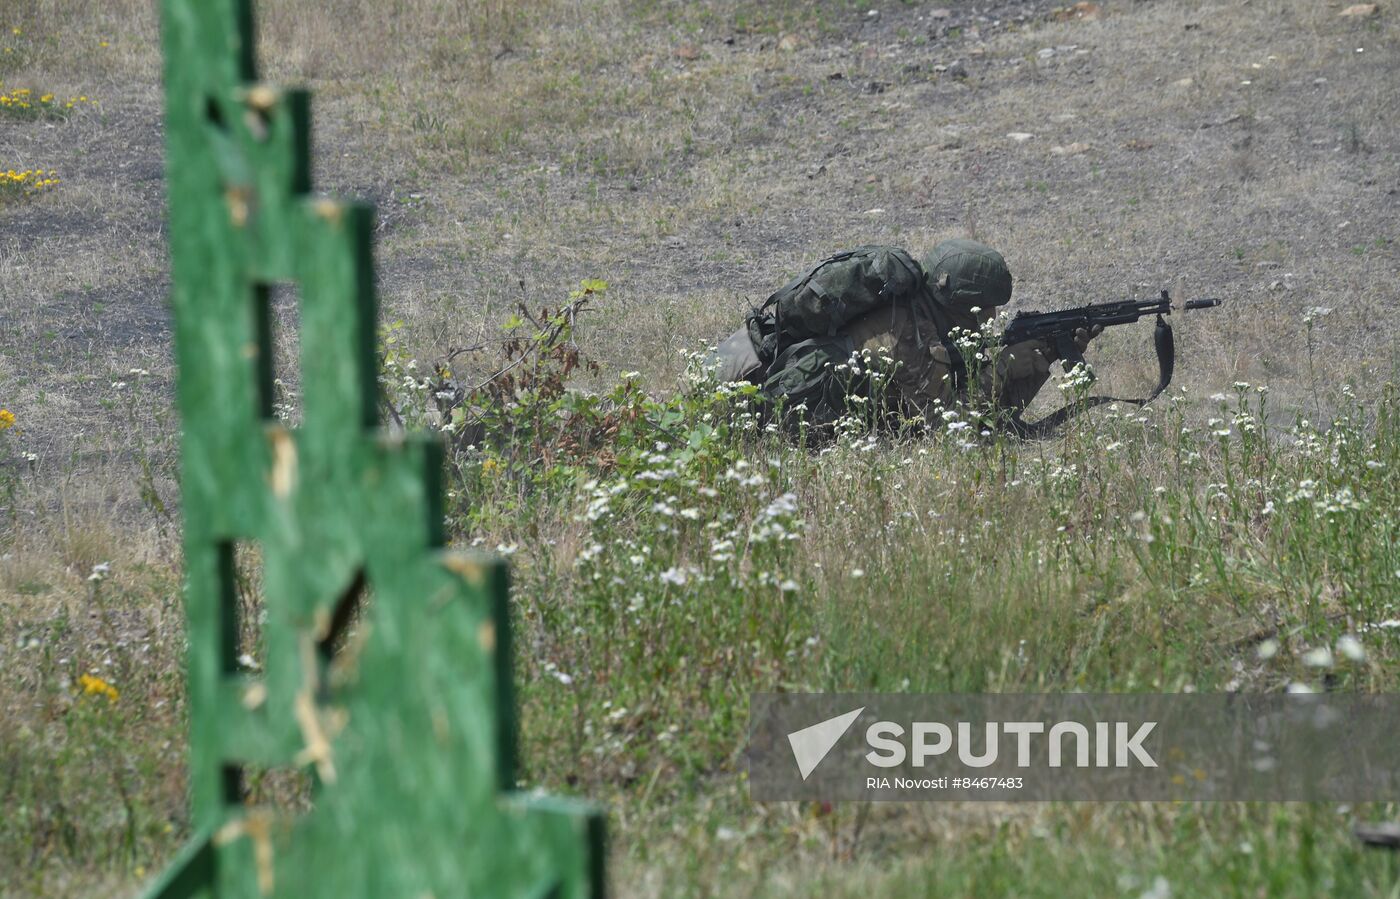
[(1351, 648), (1161, 889), (1319, 657)]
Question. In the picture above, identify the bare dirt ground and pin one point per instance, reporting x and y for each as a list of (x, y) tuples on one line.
[(1228, 150), (696, 155)]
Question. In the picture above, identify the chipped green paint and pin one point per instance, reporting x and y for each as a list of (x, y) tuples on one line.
[(406, 717)]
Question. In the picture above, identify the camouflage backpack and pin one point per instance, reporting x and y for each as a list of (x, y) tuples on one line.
[(797, 332), (810, 380), (831, 294)]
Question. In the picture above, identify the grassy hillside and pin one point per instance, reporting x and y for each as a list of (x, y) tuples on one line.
[(670, 555)]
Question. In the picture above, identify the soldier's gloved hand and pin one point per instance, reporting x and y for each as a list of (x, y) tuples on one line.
[(1082, 336)]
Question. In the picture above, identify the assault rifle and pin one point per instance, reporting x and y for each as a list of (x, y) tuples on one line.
[(1058, 329)]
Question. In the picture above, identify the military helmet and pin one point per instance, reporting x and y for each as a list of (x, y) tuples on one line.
[(964, 273)]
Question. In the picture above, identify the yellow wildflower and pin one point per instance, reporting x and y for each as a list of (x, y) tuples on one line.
[(7, 419), (16, 32), (102, 44), (489, 466), (96, 686)]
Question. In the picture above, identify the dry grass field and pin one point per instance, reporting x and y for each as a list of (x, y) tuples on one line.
[(695, 155)]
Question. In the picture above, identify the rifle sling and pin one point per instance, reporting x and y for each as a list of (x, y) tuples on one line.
[(1165, 345)]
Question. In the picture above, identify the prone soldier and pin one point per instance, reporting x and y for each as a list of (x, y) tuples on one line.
[(811, 343)]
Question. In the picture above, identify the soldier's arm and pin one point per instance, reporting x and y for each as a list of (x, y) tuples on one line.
[(1023, 368), (1020, 371)]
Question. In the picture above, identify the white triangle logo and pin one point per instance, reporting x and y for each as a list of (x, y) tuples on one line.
[(811, 744)]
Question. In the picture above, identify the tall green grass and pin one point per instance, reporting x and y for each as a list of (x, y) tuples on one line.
[(672, 554), (697, 556)]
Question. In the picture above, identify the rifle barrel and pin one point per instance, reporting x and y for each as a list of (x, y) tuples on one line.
[(1205, 303)]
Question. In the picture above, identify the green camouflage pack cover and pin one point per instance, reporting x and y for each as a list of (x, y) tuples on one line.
[(840, 289), (797, 332), (806, 383)]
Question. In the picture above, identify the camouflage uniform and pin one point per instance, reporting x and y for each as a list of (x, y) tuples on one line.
[(878, 300)]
